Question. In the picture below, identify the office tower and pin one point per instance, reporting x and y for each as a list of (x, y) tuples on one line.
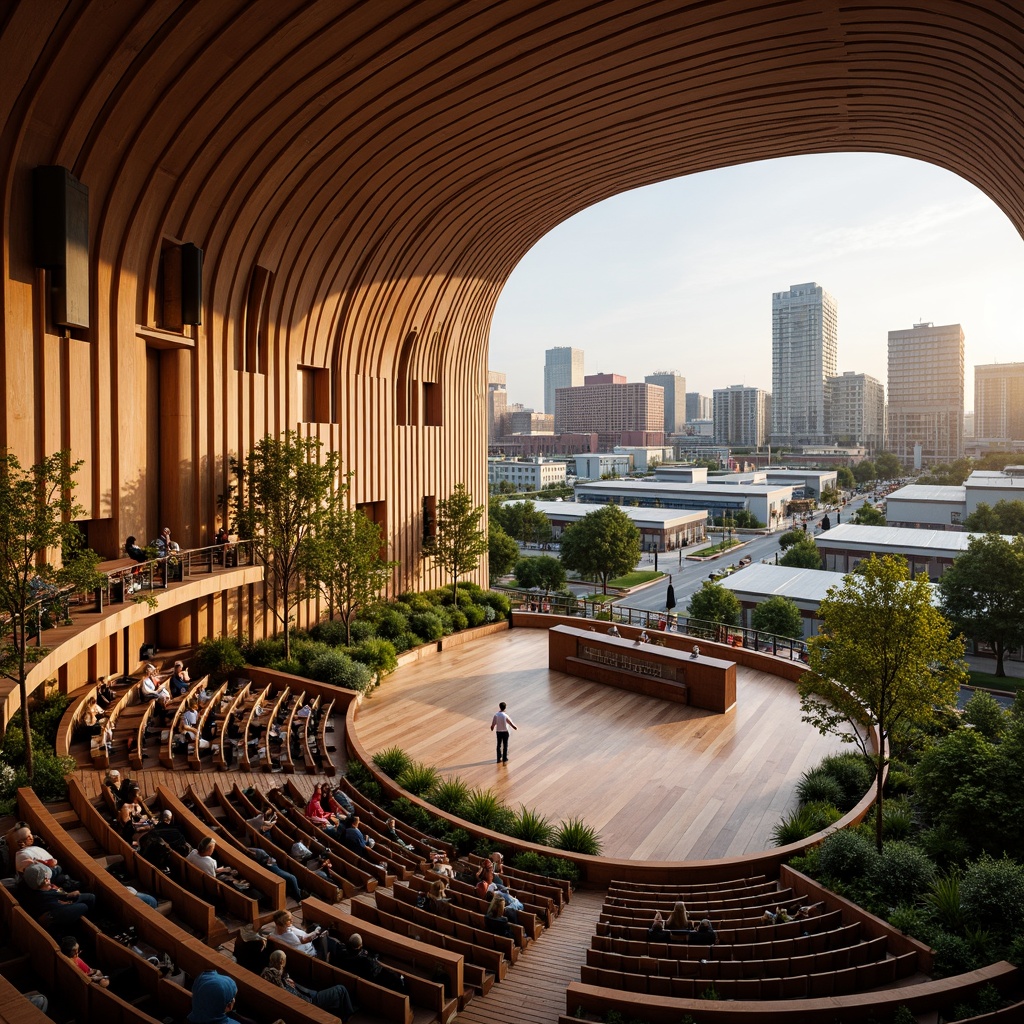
[(698, 406), (526, 421), (741, 415), (804, 343), (497, 400), (563, 368), (609, 407), (674, 385), (999, 401), (858, 410), (926, 393)]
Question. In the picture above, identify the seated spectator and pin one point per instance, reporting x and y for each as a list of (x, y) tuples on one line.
[(305, 711), (497, 861), (133, 551), (354, 839), (69, 947), (614, 631), (105, 694), (202, 858), (120, 789), (319, 864), (164, 545), (56, 910), (392, 833), (344, 802), (27, 852), (703, 934), (179, 681), (657, 931), (318, 816), (166, 830), (678, 920), (335, 998), (132, 818), (152, 689), (92, 719), (437, 899), (189, 725), (213, 998), (358, 960), (497, 918), (803, 913), (316, 943), (291, 883), (251, 950)]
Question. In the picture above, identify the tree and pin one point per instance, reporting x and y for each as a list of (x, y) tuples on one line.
[(715, 603), (502, 551), (865, 472), (347, 560), (36, 511), (778, 615), (983, 592), (802, 555), (868, 515), (525, 522), (884, 660), (459, 541), (544, 571), (830, 496), (280, 504), (845, 478), (605, 543), (791, 537), (888, 466), (1007, 517)]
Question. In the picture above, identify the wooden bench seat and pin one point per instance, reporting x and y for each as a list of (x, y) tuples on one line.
[(759, 932), (617, 886)]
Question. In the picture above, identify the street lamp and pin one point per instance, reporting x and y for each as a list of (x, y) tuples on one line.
[(654, 551)]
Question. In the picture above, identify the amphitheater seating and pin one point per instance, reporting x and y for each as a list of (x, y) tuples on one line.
[(324, 746)]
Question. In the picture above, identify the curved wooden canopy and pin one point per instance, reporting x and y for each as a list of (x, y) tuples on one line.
[(363, 177)]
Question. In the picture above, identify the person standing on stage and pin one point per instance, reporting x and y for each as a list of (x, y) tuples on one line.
[(500, 724)]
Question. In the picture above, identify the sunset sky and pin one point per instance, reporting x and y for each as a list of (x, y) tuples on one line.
[(680, 275)]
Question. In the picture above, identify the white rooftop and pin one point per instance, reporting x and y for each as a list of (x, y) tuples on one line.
[(663, 517), (929, 492), (677, 486), (896, 539), (760, 580)]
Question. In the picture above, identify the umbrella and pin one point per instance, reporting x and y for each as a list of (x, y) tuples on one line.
[(670, 598)]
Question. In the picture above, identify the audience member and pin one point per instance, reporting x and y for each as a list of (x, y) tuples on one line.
[(27, 852), (678, 920), (251, 949), (56, 910), (213, 999), (316, 943), (120, 789), (335, 998), (354, 839), (291, 883), (69, 947), (133, 551), (498, 919), (437, 899), (92, 718), (132, 818), (392, 833), (105, 694), (179, 681), (657, 931), (202, 858), (318, 816), (358, 960)]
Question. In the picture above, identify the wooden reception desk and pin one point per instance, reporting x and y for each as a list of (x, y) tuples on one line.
[(643, 668)]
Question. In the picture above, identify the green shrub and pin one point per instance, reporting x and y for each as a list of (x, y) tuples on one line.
[(330, 632), (945, 845), (339, 669), (906, 918), (553, 867), (418, 778), (501, 603), (358, 774), (378, 655), (985, 713), (412, 814), (818, 786), (362, 629), (897, 819), (392, 761), (992, 895), (475, 615), (458, 618), (904, 1015), (217, 656), (803, 822), (898, 783), (953, 955), (943, 901), (418, 602), (392, 624), (262, 653), (902, 871), (576, 836), (427, 625), (846, 856), (852, 772), (531, 826), (988, 999), (450, 795), (47, 714), (289, 665), (484, 808), (306, 652)]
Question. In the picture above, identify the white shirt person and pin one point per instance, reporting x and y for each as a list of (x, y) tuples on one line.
[(500, 724)]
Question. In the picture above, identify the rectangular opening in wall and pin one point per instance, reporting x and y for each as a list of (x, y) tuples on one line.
[(376, 512), (256, 322), (168, 288), (433, 408), (429, 518), (314, 399)]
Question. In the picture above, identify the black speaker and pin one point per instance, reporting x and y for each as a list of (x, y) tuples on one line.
[(147, 651), (191, 284), (61, 241)]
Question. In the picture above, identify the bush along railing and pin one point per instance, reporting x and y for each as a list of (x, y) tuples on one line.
[(481, 807), (701, 629), (50, 770)]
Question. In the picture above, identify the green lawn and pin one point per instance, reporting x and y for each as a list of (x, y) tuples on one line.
[(716, 548), (600, 598), (634, 579), (989, 681)]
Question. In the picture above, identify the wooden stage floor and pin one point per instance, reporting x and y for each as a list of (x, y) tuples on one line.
[(661, 781)]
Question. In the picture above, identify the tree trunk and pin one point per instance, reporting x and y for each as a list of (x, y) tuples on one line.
[(1000, 671), (26, 727), (879, 769)]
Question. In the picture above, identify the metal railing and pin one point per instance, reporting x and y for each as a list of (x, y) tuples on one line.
[(668, 622)]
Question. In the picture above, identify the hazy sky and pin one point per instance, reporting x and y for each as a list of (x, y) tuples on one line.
[(680, 275)]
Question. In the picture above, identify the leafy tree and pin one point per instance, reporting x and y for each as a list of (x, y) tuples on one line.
[(865, 472), (845, 478), (829, 496), (1007, 518), (884, 661), (605, 543), (36, 511), (715, 603), (544, 571), (280, 504), (502, 551), (888, 466), (346, 560), (802, 555), (791, 537), (525, 522), (868, 515), (779, 615), (983, 592), (459, 541)]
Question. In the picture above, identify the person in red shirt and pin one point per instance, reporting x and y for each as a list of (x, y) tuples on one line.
[(69, 947)]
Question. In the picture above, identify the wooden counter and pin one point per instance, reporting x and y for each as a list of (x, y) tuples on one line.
[(649, 669)]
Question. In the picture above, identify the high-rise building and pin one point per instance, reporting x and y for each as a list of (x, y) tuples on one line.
[(618, 412), (497, 400), (999, 401), (563, 368), (698, 406), (926, 393), (857, 410), (804, 346), (741, 415), (675, 402)]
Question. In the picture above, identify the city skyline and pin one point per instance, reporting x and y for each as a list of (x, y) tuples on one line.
[(680, 275)]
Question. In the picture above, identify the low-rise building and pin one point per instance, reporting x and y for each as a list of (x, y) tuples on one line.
[(525, 475), (645, 458), (594, 467), (928, 506), (660, 528)]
